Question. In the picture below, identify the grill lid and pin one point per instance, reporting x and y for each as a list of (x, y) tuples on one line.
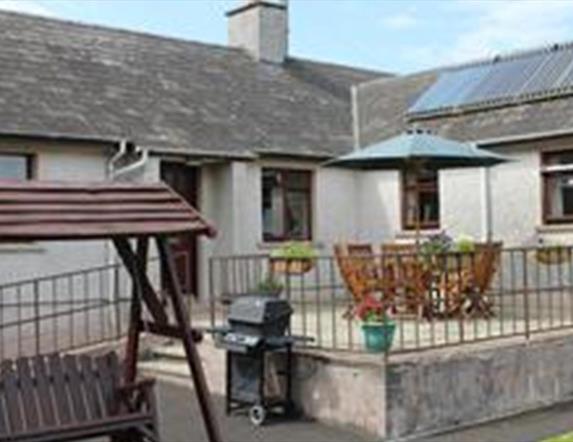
[(258, 309)]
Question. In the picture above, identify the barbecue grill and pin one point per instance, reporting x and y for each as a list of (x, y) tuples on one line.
[(259, 356)]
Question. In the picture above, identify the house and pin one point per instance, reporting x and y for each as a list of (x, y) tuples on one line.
[(520, 105), (92, 103), (242, 130)]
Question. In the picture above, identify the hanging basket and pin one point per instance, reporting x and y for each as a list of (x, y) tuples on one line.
[(292, 266), (553, 255)]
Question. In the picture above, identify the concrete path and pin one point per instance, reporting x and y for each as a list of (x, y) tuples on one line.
[(180, 422), (529, 427)]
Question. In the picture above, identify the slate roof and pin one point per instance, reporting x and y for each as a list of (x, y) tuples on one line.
[(382, 112), (75, 80)]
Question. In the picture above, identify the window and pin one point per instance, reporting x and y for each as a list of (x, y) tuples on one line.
[(420, 194), (287, 200), (16, 167), (557, 177)]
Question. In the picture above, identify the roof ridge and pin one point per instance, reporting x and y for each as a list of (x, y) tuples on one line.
[(152, 35), (100, 27), (508, 56), (342, 66)]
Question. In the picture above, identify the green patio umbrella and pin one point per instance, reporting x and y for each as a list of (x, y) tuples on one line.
[(417, 150)]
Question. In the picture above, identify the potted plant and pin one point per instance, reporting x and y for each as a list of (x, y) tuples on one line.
[(435, 248), (270, 286), (293, 258), (553, 254), (377, 326)]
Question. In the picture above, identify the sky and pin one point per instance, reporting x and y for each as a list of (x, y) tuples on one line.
[(399, 36)]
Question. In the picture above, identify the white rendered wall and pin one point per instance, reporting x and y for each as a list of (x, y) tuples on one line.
[(379, 206), (55, 162)]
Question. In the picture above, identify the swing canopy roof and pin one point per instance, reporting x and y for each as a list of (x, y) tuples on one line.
[(42, 211)]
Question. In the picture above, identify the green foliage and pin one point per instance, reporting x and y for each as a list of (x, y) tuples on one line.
[(436, 245), (270, 285), (294, 250), (568, 437), (464, 244)]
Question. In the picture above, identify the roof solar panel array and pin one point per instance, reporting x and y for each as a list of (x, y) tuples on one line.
[(504, 80)]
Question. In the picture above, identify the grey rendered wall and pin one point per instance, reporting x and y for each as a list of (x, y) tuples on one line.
[(434, 391), (55, 162)]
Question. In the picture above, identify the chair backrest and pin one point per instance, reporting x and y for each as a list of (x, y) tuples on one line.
[(397, 258), (358, 267), (487, 258), (56, 391)]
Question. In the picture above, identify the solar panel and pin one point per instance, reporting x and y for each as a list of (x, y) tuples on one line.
[(511, 79)]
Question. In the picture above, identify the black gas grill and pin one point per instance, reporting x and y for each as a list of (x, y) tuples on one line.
[(259, 356)]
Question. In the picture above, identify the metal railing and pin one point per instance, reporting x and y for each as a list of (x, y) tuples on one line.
[(67, 311), (530, 291)]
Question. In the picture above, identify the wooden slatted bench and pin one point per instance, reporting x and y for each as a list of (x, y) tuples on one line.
[(62, 398)]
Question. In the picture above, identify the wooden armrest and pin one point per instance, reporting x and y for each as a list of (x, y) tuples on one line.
[(141, 384), (137, 395)]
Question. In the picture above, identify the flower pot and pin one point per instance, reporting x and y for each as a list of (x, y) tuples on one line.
[(292, 266), (553, 255), (378, 337)]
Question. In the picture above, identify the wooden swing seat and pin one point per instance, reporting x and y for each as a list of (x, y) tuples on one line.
[(61, 398)]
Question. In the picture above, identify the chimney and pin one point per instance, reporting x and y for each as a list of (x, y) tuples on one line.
[(261, 28)]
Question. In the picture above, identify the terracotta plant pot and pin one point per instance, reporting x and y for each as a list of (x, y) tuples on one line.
[(553, 255), (292, 266)]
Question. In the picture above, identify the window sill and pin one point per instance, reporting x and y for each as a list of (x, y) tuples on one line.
[(21, 248), (271, 245), (411, 234), (555, 228)]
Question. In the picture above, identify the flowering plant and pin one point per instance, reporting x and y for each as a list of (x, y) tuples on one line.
[(437, 244), (371, 310)]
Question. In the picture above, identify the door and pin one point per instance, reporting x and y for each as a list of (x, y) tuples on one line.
[(184, 180)]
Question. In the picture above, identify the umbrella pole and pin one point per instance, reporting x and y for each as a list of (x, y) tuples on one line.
[(417, 167)]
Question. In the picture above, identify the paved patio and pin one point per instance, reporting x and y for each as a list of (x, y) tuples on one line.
[(534, 426), (180, 421)]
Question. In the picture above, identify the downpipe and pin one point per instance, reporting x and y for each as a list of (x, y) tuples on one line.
[(132, 167)]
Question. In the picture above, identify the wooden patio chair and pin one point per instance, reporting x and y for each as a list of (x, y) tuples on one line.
[(358, 270), (465, 286), (361, 272), (411, 278)]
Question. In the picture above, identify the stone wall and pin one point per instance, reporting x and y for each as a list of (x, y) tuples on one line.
[(426, 392), (434, 391)]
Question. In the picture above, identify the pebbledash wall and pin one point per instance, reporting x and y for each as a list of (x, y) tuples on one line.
[(347, 205), (61, 162), (427, 392)]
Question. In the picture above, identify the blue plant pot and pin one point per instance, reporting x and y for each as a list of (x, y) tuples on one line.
[(378, 337)]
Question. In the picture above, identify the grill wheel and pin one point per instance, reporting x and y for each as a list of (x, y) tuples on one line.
[(257, 415)]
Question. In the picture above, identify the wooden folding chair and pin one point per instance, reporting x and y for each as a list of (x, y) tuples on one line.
[(465, 286)]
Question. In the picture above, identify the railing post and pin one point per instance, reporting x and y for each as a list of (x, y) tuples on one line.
[(212, 291), (116, 307), (525, 294), (37, 317)]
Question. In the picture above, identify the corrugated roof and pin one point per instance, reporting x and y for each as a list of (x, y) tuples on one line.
[(63, 211), (69, 79)]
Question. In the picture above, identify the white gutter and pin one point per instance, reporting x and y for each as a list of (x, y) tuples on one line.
[(116, 157), (532, 136)]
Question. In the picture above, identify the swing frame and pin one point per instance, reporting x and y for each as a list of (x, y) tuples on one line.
[(47, 211)]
